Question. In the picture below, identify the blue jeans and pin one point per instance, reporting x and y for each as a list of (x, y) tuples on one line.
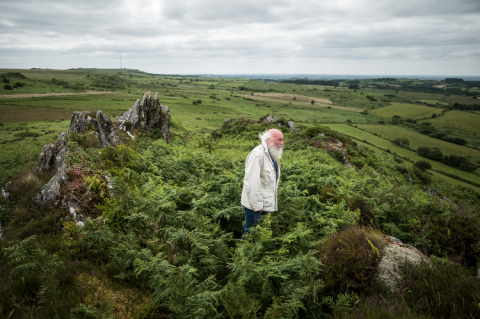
[(251, 218)]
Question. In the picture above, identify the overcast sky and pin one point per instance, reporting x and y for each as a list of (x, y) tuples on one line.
[(423, 37)]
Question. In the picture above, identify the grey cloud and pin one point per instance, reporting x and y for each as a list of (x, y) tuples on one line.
[(240, 33)]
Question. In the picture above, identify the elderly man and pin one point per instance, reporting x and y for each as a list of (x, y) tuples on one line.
[(262, 174)]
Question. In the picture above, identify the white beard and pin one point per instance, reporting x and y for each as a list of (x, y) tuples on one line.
[(275, 152)]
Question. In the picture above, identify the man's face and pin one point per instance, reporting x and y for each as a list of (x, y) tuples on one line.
[(277, 139)]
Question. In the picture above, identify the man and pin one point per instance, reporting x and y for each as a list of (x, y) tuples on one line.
[(262, 174)]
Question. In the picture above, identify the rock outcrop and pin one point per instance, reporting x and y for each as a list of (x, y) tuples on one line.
[(106, 132), (291, 126), (80, 122), (51, 190), (46, 159), (270, 119), (148, 114)]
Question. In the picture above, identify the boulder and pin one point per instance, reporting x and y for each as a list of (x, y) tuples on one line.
[(269, 119), (46, 159), (106, 132), (80, 122), (389, 267), (291, 126), (51, 190), (5, 194), (148, 115)]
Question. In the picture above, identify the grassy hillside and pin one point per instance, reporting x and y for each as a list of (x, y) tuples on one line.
[(407, 111), (461, 121)]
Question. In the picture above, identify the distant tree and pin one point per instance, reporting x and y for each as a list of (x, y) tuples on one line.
[(8, 87), (5, 80), (434, 115), (402, 141), (423, 165), (313, 102), (294, 98)]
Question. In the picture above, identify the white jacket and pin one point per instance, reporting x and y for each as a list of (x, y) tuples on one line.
[(260, 183)]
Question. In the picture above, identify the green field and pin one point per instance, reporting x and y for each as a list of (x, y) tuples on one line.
[(385, 144), (434, 102), (417, 140), (412, 111), (461, 121)]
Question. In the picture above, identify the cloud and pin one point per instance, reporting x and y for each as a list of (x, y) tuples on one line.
[(219, 36)]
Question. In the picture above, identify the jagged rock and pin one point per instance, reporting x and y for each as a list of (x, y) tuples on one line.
[(291, 126), (279, 124), (80, 121), (361, 146), (80, 224), (321, 134), (148, 114), (51, 190), (270, 119), (46, 159), (106, 132)]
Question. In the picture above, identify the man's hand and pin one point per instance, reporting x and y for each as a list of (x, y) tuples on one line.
[(261, 210)]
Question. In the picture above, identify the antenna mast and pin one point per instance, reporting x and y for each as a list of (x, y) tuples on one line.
[(121, 61)]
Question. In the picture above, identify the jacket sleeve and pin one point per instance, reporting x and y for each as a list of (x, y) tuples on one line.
[(253, 181)]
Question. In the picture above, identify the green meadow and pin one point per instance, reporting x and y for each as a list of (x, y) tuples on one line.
[(461, 121), (411, 111)]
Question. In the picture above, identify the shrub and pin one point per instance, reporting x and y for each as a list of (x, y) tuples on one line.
[(440, 290), (350, 260), (433, 153), (8, 87), (423, 165), (5, 80), (402, 141)]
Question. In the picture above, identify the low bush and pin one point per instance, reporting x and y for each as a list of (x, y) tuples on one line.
[(350, 258), (8, 87)]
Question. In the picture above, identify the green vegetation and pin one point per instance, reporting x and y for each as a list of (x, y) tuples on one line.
[(165, 240)]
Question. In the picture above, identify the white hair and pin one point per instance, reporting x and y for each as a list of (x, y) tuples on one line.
[(264, 136)]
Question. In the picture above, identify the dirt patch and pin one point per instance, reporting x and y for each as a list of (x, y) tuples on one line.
[(304, 100), (440, 86), (18, 96)]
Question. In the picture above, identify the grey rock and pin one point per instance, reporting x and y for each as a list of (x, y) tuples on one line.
[(46, 159), (321, 134), (106, 132), (5, 194), (361, 146), (148, 115), (291, 126), (80, 121), (395, 240), (270, 119), (389, 268), (80, 224), (279, 124), (51, 190)]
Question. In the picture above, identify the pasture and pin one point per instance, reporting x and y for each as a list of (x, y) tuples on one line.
[(412, 111), (417, 140), (461, 121), (398, 150)]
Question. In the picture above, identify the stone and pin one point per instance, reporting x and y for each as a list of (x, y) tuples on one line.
[(361, 146), (5, 194), (291, 126), (389, 267), (395, 240), (46, 159), (106, 132), (80, 122), (51, 190), (80, 224), (279, 124), (148, 115), (270, 119), (321, 134)]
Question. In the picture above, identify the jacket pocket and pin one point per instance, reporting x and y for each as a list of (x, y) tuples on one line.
[(269, 177), (268, 201)]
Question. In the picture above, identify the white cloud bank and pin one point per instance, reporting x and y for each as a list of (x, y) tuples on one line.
[(250, 36)]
